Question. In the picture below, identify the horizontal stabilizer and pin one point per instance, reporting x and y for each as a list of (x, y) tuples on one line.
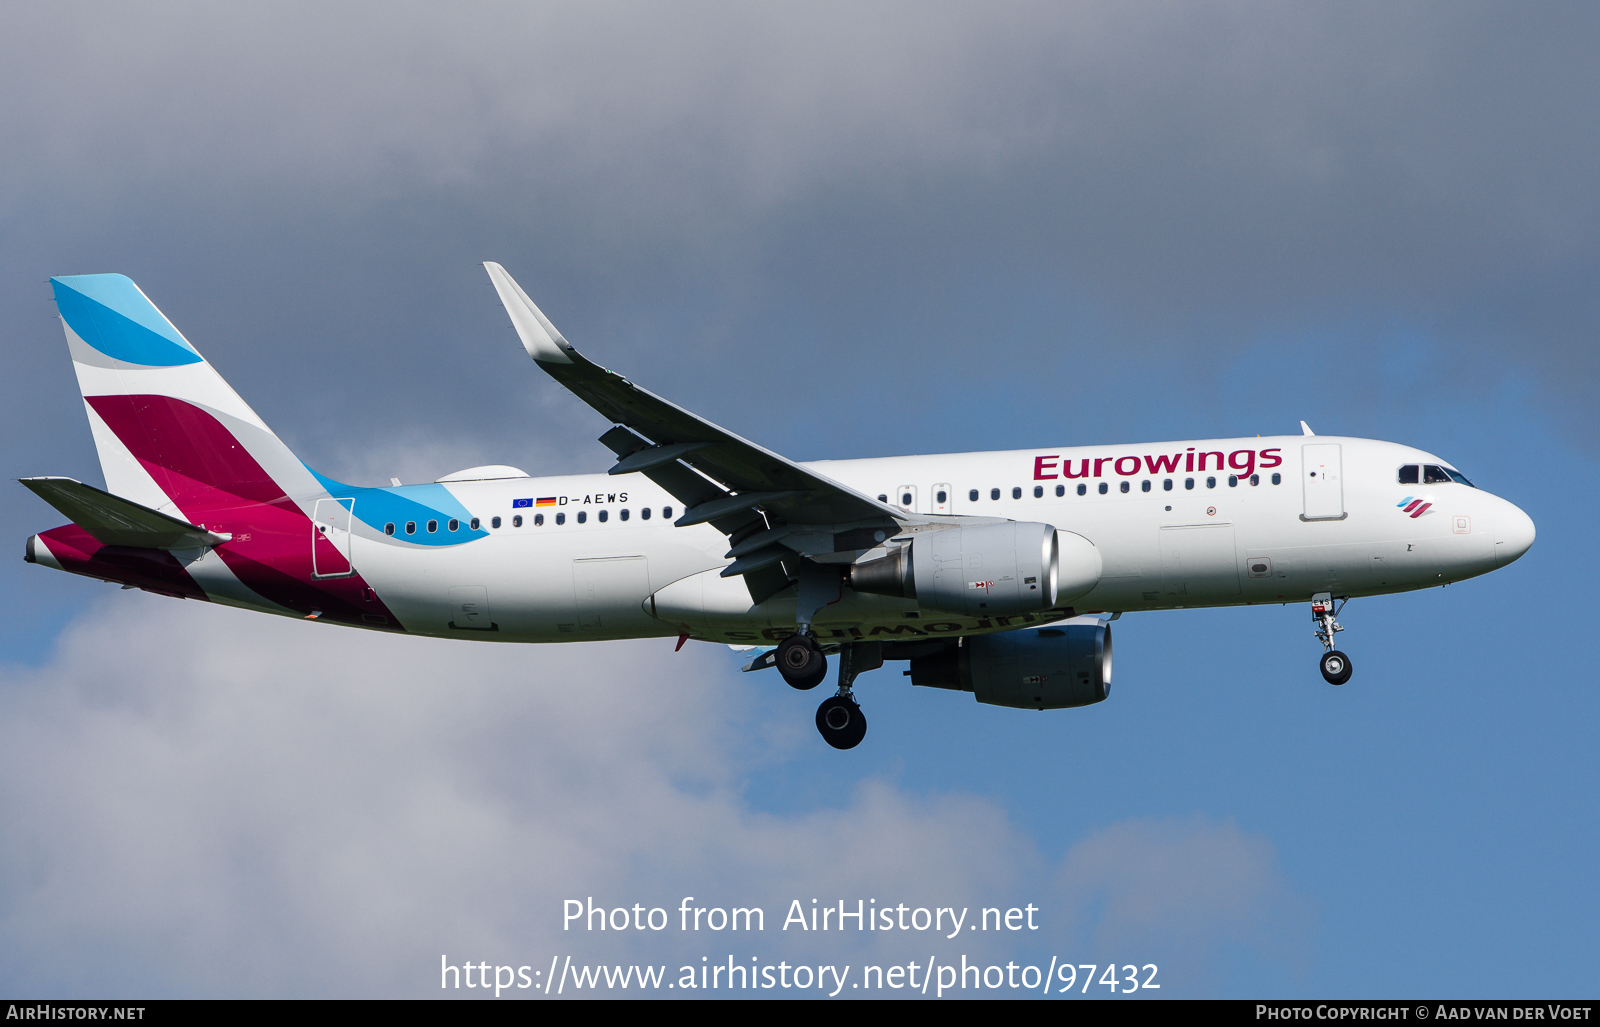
[(114, 521)]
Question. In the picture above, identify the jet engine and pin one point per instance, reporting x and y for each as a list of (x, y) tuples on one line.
[(1049, 668), (985, 570)]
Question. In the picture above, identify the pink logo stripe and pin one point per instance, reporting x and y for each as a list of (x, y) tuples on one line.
[(152, 569), (216, 483)]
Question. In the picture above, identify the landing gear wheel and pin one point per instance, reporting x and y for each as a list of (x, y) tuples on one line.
[(1335, 667), (841, 722), (801, 662)]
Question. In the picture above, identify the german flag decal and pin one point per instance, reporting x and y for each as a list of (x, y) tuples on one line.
[(547, 501)]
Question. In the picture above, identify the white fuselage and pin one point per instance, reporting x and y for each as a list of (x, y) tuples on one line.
[(1176, 538)]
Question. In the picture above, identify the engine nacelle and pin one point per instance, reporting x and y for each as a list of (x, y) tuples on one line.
[(1049, 668), (979, 570)]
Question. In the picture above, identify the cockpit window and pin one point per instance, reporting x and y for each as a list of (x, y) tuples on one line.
[(1434, 475), (1459, 478), (1408, 474)]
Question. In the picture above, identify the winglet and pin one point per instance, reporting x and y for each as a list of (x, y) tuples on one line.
[(539, 336), (1305, 429)]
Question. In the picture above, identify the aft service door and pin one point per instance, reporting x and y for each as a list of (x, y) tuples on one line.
[(330, 538), (609, 590), (1198, 561), (1323, 481)]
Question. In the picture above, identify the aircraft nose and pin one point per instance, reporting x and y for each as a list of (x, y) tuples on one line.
[(1513, 536)]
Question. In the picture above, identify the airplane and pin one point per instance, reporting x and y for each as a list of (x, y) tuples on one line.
[(996, 573)]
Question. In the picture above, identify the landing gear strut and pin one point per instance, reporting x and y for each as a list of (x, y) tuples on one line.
[(1336, 667), (839, 718)]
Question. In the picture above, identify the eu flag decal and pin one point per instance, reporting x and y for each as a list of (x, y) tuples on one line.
[(517, 504)]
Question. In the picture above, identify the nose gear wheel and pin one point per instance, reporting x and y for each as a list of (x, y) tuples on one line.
[(1335, 667)]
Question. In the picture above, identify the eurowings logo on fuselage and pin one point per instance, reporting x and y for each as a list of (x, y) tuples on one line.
[(1413, 506)]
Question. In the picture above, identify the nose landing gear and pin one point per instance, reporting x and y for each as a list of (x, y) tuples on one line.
[(1336, 667)]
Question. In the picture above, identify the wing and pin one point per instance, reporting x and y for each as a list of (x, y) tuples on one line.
[(769, 506)]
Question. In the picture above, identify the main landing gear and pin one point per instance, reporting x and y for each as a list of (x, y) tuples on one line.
[(801, 662), (1336, 667), (839, 719)]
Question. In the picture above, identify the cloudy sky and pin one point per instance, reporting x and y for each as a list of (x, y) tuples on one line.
[(841, 230)]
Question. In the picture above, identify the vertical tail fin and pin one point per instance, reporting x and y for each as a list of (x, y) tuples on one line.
[(170, 432)]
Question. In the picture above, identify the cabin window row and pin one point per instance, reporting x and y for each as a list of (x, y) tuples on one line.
[(1147, 485), (538, 520), (452, 524)]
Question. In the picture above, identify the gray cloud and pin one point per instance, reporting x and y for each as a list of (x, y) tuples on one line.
[(1188, 888), (203, 801)]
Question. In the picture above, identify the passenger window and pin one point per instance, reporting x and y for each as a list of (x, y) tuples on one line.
[(583, 516), (1038, 491), (624, 513), (666, 512), (1124, 486), (942, 497), (883, 497), (494, 522), (1188, 483), (1144, 486), (1083, 490), (516, 522), (388, 529), (1104, 488), (1166, 484), (1061, 490), (604, 514), (1277, 479), (1016, 493), (972, 497), (538, 520), (1233, 481), (645, 513), (411, 527), (561, 518), (1211, 483), (905, 499), (474, 524), (455, 525), (1432, 475), (1255, 479), (1408, 474), (994, 493), (433, 526)]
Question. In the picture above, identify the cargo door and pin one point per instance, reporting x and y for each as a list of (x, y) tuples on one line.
[(1198, 561), (609, 590), (1323, 481), (330, 538)]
